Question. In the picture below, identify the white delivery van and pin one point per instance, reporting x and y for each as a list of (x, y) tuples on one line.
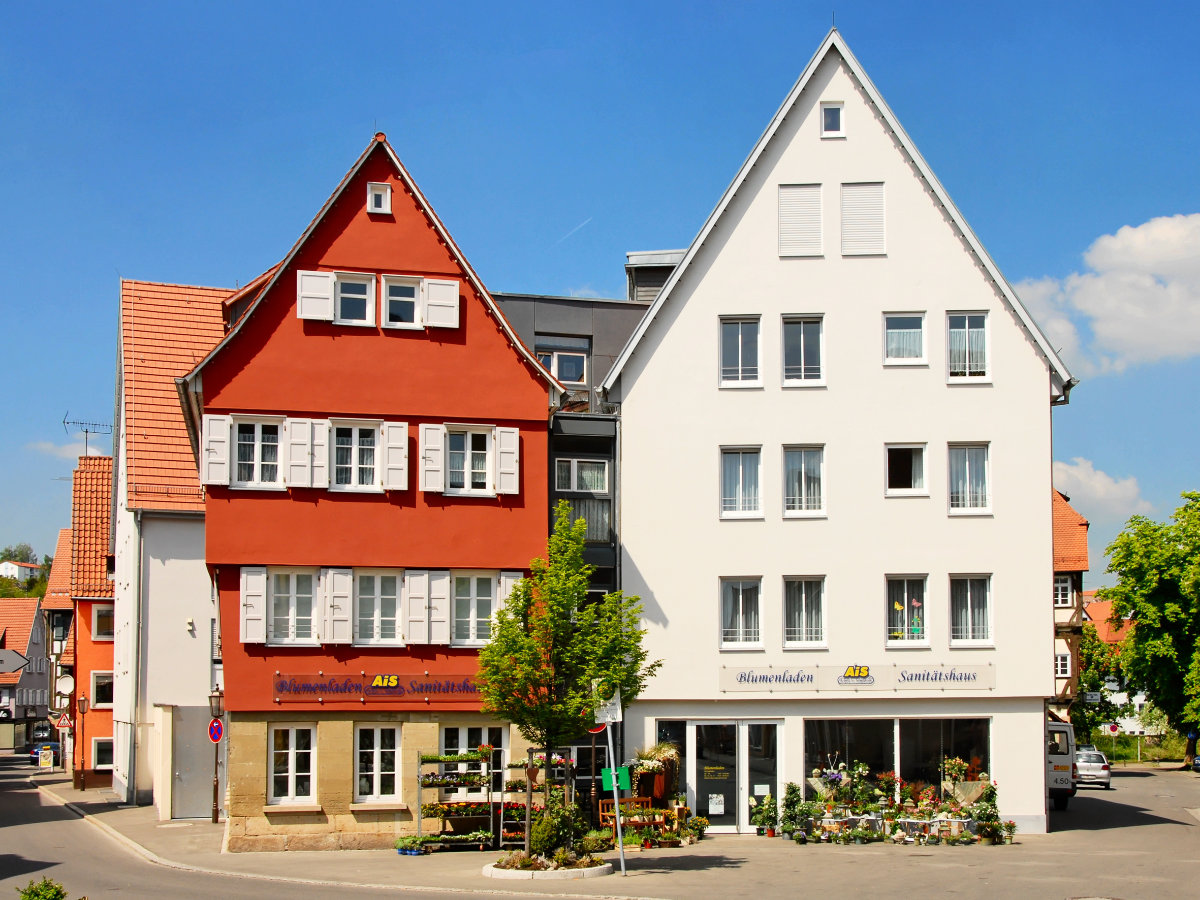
[(1061, 774)]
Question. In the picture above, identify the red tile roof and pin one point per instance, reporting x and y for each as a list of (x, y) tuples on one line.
[(58, 586), (1070, 536), (1099, 611), (91, 516), (165, 330), (17, 615), (31, 566), (68, 655)]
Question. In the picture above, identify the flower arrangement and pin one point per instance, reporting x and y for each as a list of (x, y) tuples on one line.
[(515, 784), (455, 810), (955, 768), (453, 779), (698, 824), (765, 814), (467, 756)]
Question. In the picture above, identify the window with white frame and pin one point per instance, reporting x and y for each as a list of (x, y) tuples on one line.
[(354, 300), (468, 461), (355, 458), (377, 607), (102, 622), (257, 454), (739, 612), (739, 352), (377, 762), (969, 477), (831, 120), (566, 357), (903, 339), (802, 611), (292, 607), (102, 753), (905, 470), (1062, 665), (293, 763), (401, 302), (474, 604), (802, 477), (461, 739), (481, 460), (739, 482), (379, 197), (970, 609), (1063, 593), (800, 220), (581, 475), (906, 608), (967, 333), (102, 690), (802, 351)]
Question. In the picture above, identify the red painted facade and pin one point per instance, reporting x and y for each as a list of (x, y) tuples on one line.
[(91, 655), (277, 364)]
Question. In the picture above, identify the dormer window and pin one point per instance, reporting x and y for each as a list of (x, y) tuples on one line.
[(379, 197), (831, 120)]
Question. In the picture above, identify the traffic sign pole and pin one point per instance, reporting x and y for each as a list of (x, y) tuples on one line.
[(215, 731)]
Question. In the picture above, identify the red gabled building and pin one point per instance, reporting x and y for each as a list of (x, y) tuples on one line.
[(372, 436)]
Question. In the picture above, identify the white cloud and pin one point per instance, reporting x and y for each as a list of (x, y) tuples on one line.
[(1138, 303), (73, 450), (1097, 495)]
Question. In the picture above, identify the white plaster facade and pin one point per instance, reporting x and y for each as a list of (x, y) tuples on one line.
[(677, 418)]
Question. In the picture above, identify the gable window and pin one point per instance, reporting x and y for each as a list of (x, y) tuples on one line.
[(564, 356), (401, 302), (969, 477), (1063, 594), (739, 483), (292, 607), (969, 610), (379, 197), (377, 601), (739, 612), (739, 352), (257, 454), (377, 762), (354, 458), (968, 345), (905, 609), (863, 219), (468, 468), (802, 351), (102, 622), (802, 622), (903, 339), (905, 470), (102, 690), (800, 220), (474, 603), (354, 297), (1062, 665), (293, 763), (831, 120), (802, 475)]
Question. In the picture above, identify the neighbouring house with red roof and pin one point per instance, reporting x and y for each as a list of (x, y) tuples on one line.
[(1070, 562), (1099, 613), (58, 610), (24, 695), (19, 571)]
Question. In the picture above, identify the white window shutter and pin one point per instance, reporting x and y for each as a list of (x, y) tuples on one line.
[(508, 461), (441, 303), (299, 452), (433, 458), (416, 607), (800, 220), (254, 605), (439, 607), (338, 591), (320, 453), (863, 219), (508, 581), (214, 454), (314, 295), (395, 456)]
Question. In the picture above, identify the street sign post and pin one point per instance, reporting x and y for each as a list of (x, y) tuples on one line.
[(1091, 696), (12, 661), (608, 711), (63, 722)]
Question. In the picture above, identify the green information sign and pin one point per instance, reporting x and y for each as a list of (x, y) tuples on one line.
[(606, 776)]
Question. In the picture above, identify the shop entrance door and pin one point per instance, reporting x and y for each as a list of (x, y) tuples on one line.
[(728, 763)]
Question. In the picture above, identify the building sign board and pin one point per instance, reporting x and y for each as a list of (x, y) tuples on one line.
[(307, 687), (857, 676)]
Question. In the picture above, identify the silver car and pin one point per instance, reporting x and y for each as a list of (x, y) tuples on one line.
[(1093, 768)]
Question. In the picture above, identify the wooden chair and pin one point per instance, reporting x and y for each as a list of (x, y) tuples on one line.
[(630, 806)]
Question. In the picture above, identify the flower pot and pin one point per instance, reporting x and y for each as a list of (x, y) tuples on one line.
[(647, 844), (859, 840), (1008, 839), (770, 831), (987, 841)]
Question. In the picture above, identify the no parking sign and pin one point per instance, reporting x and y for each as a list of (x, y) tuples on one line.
[(215, 731)]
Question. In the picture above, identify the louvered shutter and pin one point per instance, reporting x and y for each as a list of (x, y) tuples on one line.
[(299, 452), (214, 457), (439, 607), (338, 593), (416, 607), (441, 303), (800, 220), (508, 461), (863, 219), (254, 605), (433, 458), (395, 456), (508, 581), (314, 295)]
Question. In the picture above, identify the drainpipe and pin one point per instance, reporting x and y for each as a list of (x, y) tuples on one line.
[(136, 644)]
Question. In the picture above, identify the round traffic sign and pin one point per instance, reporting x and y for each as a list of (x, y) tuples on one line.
[(215, 730), (599, 729), (1113, 728)]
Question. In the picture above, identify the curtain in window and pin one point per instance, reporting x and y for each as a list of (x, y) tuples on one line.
[(960, 609), (749, 612), (976, 359), (896, 601), (802, 610), (591, 476), (729, 625), (958, 345), (968, 477), (903, 338), (906, 612), (802, 479), (740, 481), (595, 511)]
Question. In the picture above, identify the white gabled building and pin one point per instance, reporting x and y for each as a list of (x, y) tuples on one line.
[(836, 452)]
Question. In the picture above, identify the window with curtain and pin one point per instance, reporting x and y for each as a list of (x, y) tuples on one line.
[(739, 482), (802, 623), (802, 479), (739, 612), (906, 609), (904, 337), (969, 614), (906, 469), (968, 477), (802, 350), (739, 351), (968, 345), (377, 598)]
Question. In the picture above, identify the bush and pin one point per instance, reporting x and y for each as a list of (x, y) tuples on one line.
[(596, 842), (43, 890)]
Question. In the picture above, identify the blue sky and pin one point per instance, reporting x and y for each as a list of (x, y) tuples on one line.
[(192, 143)]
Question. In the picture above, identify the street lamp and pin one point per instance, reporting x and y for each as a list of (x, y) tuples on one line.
[(216, 705), (82, 705)]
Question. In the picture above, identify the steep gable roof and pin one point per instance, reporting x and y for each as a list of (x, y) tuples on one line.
[(1061, 379), (1100, 612), (17, 615), (1070, 536), (91, 515), (58, 585), (165, 330)]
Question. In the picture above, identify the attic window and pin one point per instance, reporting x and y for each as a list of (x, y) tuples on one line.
[(831, 120), (379, 197)]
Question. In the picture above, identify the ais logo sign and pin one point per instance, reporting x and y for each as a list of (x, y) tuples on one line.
[(857, 675)]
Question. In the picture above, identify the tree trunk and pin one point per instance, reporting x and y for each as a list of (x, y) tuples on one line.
[(1189, 753), (528, 798)]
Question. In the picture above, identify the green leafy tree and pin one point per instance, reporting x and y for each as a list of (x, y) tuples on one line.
[(1098, 661), (1158, 569), (1152, 720), (18, 553)]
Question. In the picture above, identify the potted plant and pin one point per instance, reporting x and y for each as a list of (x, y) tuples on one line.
[(698, 825), (410, 845), (765, 815), (793, 801), (1010, 828)]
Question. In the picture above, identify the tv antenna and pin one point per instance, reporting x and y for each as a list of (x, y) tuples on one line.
[(87, 428)]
